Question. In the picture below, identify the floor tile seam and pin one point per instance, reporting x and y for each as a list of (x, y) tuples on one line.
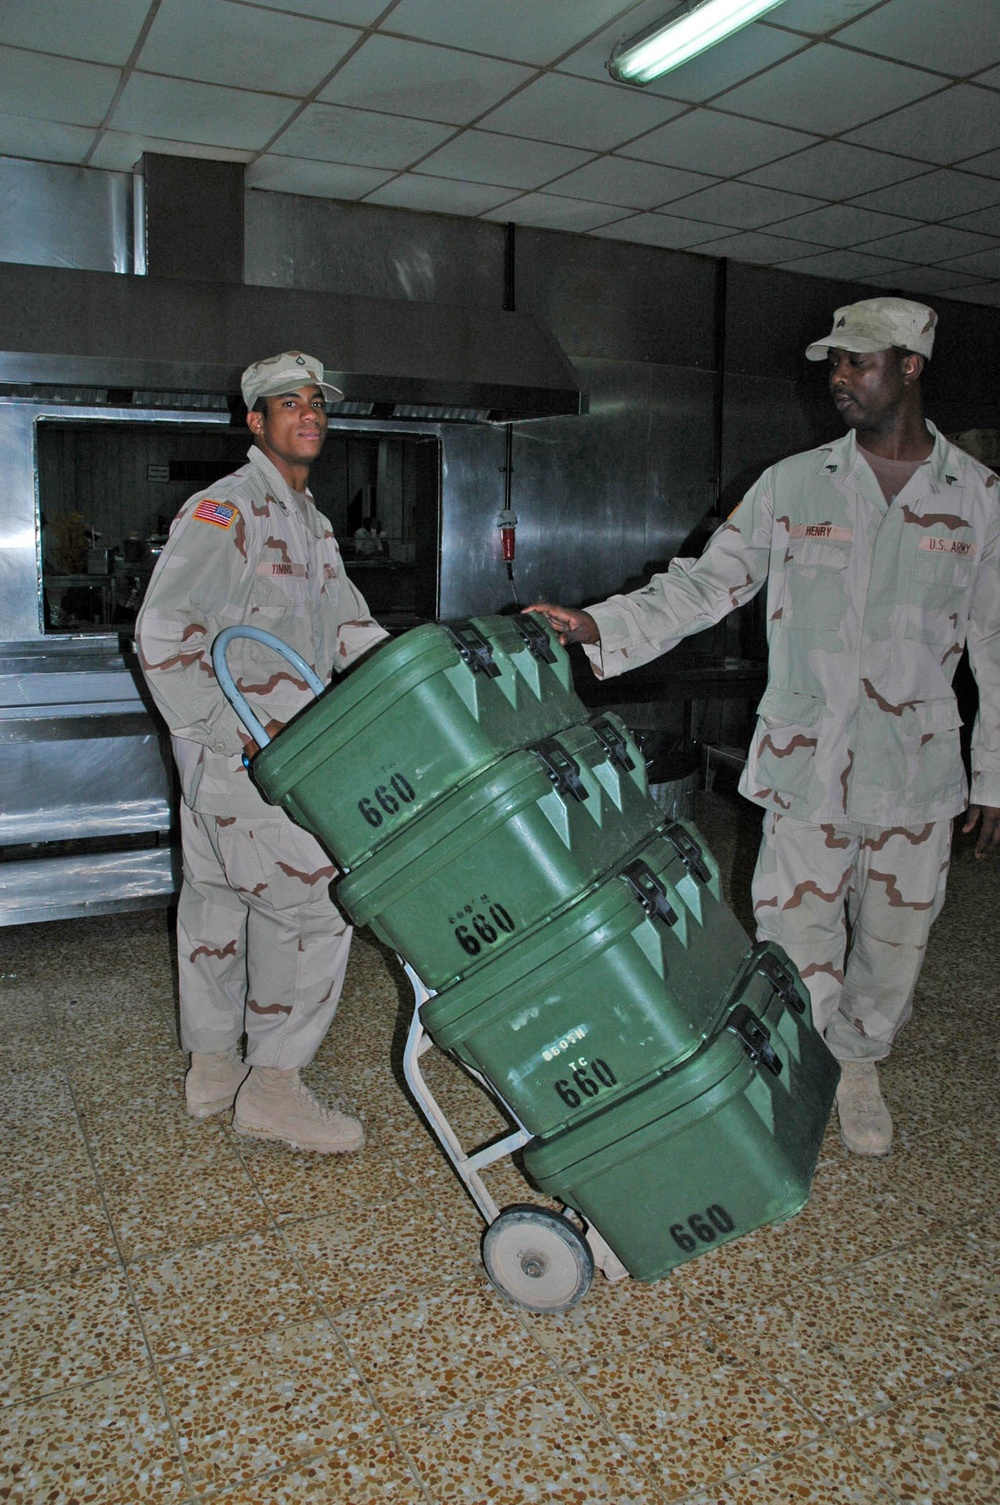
[(376, 1405), (506, 1393), (658, 1494), (200, 1497), (427, 1415), (785, 1296), (58, 1392), (390, 1292), (573, 1369), (223, 1492), (150, 1368), (759, 1366), (823, 1430), (889, 1496)]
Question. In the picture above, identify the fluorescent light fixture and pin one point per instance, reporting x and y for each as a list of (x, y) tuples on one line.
[(670, 43)]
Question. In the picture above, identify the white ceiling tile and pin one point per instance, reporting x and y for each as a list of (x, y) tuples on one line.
[(844, 225), (576, 112), (931, 243), (987, 164), (935, 195), (183, 111), (413, 190), (817, 17), (852, 266), (745, 206), (707, 141), (835, 170), (346, 12), (657, 230), (220, 43), (484, 157), (329, 133), (528, 31), (119, 151), (101, 31), (44, 140), (544, 212), (630, 184), (416, 78), (326, 180), (752, 245), (983, 263), (989, 294), (984, 221), (925, 280), (828, 89), (956, 123), (53, 88), (958, 37)]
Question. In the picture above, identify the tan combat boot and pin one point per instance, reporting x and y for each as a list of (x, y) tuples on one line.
[(213, 1081), (865, 1125), (275, 1104)]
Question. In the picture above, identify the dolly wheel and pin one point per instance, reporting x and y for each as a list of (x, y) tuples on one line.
[(537, 1258)]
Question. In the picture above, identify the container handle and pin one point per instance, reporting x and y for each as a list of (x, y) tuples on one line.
[(228, 684), (688, 851), (650, 892)]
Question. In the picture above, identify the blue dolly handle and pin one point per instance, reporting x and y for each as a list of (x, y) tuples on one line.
[(225, 678)]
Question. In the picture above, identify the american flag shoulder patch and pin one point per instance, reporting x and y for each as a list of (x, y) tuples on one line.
[(219, 513)]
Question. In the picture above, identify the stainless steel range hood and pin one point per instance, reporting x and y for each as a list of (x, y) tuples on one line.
[(102, 331)]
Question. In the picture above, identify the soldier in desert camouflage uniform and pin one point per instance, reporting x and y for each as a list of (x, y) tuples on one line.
[(881, 555), (261, 946)]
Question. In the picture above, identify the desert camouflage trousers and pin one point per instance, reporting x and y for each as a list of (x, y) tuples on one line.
[(853, 906), (261, 946)]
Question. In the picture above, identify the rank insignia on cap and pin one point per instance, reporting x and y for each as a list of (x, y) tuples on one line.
[(219, 513)]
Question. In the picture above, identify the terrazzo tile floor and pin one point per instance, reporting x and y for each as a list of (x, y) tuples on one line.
[(193, 1317)]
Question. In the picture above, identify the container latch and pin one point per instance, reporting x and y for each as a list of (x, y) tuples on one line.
[(755, 1037), (474, 647), (563, 770), (688, 851), (536, 639), (649, 891), (781, 980), (613, 742)]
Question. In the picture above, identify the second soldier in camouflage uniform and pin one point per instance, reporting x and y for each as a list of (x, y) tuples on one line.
[(881, 556), (261, 946)]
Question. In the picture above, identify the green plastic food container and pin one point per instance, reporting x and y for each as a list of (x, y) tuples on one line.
[(705, 1153), (625, 983), (421, 715), (505, 851)]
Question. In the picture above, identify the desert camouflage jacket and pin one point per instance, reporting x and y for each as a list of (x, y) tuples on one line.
[(247, 551), (869, 605)]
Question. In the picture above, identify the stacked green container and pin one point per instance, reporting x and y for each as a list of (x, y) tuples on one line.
[(505, 852), (417, 718)]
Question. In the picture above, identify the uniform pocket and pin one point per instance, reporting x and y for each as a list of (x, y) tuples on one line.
[(938, 586), (784, 744), (815, 593)]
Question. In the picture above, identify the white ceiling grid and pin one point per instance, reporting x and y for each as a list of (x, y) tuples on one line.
[(854, 139)]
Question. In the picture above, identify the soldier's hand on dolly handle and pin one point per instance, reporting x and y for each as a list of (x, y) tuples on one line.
[(573, 626), (988, 819), (250, 748)]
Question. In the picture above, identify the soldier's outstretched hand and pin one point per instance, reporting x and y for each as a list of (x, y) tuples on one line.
[(573, 626)]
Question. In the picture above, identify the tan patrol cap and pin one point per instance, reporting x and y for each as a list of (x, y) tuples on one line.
[(879, 324), (285, 373)]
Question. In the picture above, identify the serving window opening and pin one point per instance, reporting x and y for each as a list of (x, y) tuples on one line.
[(108, 489)]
